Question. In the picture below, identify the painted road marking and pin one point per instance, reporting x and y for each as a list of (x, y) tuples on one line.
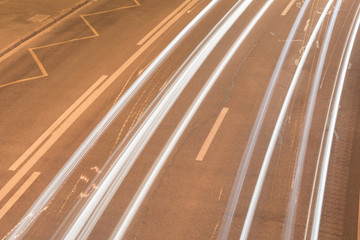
[(210, 137), (171, 22), (55, 135), (55, 125), (162, 23), (18, 194), (95, 34), (286, 10)]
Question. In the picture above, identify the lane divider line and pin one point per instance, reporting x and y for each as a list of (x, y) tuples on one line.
[(210, 137), (44, 73), (18, 194), (165, 20), (261, 178), (249, 149), (147, 183), (52, 138), (287, 8), (40, 204)]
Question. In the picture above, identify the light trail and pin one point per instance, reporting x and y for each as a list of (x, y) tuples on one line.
[(97, 203), (246, 157), (140, 195), (293, 201), (34, 212), (267, 158), (330, 134)]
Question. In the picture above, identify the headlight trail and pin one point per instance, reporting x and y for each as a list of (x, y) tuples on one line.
[(137, 200), (293, 201), (256, 194), (246, 157), (93, 208), (330, 134)]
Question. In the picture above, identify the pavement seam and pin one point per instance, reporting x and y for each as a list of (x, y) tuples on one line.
[(31, 50)]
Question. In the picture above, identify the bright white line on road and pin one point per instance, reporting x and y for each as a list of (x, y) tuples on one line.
[(93, 208), (330, 135), (246, 157), (32, 214), (211, 135), (267, 158), (291, 3), (293, 201), (18, 194), (165, 20), (157, 166)]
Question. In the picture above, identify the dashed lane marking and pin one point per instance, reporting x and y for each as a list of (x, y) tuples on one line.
[(212, 134)]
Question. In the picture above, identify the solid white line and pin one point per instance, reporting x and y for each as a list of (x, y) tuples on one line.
[(212, 134), (162, 23), (52, 128), (18, 194), (291, 3), (75, 159), (247, 154), (267, 158), (56, 134), (330, 135), (293, 201), (161, 160)]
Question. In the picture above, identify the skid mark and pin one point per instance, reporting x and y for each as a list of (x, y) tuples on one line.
[(94, 34)]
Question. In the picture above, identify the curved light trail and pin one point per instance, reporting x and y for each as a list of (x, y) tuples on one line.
[(137, 200), (330, 134), (92, 210), (293, 201), (246, 157), (267, 158)]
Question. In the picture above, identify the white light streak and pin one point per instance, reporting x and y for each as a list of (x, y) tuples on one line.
[(330, 135), (246, 157), (267, 158), (97, 203), (153, 173), (293, 201)]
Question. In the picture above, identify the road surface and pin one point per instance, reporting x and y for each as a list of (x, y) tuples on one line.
[(190, 119)]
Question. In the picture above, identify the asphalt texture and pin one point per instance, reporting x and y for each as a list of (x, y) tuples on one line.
[(43, 77)]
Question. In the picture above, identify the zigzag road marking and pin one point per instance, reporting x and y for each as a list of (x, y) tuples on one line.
[(95, 34)]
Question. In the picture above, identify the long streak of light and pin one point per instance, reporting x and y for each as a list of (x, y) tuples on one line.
[(295, 191), (330, 134), (96, 204), (44, 199), (245, 160), (161, 160), (326, 125), (267, 158)]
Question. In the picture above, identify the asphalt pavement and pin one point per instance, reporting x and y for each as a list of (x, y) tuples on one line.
[(182, 120), (22, 20)]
